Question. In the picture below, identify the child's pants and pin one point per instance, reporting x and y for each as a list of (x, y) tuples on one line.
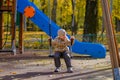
[(66, 57)]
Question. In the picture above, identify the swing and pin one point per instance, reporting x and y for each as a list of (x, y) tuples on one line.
[(72, 27), (50, 40)]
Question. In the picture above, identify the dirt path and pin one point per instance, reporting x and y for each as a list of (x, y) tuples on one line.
[(31, 66)]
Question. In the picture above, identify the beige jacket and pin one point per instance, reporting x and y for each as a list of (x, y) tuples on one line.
[(61, 45)]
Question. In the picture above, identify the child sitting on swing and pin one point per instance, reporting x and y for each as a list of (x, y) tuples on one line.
[(61, 43)]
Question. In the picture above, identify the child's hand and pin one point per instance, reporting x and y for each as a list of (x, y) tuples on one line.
[(72, 39), (49, 39)]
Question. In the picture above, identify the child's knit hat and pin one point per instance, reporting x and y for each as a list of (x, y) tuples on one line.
[(61, 32)]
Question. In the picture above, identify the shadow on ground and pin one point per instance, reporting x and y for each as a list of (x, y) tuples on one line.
[(72, 76)]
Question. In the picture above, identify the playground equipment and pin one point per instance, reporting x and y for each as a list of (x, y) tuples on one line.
[(9, 7), (40, 19), (50, 41), (30, 10)]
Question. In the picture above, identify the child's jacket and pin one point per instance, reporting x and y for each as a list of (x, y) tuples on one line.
[(61, 45)]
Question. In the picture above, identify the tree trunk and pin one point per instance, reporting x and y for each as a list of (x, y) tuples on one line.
[(53, 16), (91, 21), (43, 4), (117, 23)]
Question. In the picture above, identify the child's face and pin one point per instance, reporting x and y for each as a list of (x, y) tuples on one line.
[(62, 37), (62, 34)]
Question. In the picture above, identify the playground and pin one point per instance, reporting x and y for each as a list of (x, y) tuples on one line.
[(27, 55), (33, 66)]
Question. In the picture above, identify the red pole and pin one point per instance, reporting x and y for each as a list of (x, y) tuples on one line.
[(1, 28), (21, 28)]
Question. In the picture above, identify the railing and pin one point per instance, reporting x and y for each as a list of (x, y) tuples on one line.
[(40, 41)]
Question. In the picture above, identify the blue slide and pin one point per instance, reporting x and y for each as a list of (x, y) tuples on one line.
[(42, 21)]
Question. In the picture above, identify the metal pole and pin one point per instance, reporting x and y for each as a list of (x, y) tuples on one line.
[(50, 41), (73, 24), (111, 39), (13, 19), (73, 17)]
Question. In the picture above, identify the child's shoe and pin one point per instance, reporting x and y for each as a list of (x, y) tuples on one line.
[(70, 70), (57, 69)]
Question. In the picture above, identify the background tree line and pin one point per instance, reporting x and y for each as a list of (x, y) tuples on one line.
[(87, 16), (61, 10)]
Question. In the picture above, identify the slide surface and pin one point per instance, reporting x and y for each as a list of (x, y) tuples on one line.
[(42, 21)]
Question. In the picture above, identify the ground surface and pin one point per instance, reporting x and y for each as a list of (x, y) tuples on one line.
[(35, 65)]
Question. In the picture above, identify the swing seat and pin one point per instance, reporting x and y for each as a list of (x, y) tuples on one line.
[(61, 56), (51, 55)]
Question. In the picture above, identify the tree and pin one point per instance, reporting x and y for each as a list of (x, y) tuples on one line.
[(117, 23), (116, 14), (43, 6), (53, 16), (91, 21)]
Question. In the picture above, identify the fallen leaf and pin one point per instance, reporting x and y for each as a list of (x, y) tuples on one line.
[(50, 75), (1, 70), (13, 72)]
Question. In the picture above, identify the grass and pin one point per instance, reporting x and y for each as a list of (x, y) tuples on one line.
[(39, 40)]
